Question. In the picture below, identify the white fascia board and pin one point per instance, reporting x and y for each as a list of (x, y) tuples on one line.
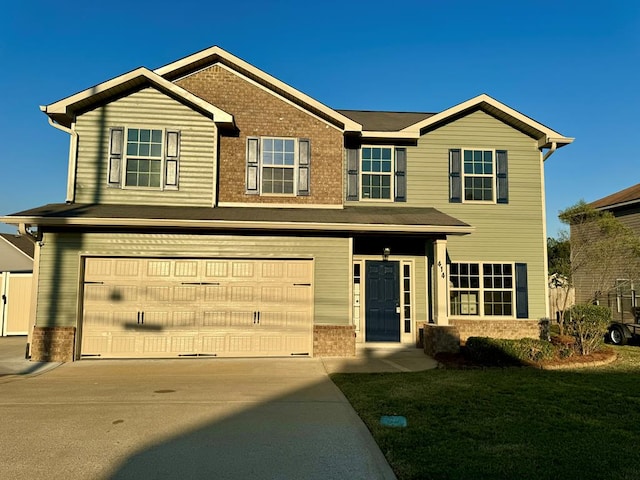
[(60, 107), (484, 98), (248, 225), (349, 125), (547, 142), (412, 135)]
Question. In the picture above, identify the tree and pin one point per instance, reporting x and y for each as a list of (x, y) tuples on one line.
[(602, 249), (559, 255)]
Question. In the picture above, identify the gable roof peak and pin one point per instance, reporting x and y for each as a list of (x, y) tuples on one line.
[(212, 55), (63, 111)]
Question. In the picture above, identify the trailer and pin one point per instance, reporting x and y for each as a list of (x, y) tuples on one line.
[(622, 333)]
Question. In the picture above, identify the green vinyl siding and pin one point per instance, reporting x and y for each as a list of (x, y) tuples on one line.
[(512, 232), (60, 265), (152, 109)]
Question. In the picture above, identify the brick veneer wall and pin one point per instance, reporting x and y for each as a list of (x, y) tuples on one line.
[(258, 113), (53, 344), (334, 341), (441, 339), (513, 329)]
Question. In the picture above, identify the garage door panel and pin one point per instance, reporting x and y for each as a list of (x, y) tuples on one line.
[(270, 344), (272, 294), (241, 344), (158, 293), (171, 307), (215, 319), (243, 269), (215, 293), (214, 344), (154, 344), (183, 344), (158, 270), (123, 346), (215, 269), (242, 319)]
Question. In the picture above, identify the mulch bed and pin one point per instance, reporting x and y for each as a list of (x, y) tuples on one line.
[(459, 361)]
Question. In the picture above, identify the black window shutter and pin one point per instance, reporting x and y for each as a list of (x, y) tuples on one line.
[(116, 143), (522, 291), (401, 175), (502, 189), (304, 166), (253, 165), (353, 160), (455, 179), (172, 158)]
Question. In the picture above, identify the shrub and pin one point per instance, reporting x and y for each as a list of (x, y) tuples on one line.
[(502, 352), (588, 325)]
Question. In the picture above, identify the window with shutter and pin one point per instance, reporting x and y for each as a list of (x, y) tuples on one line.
[(483, 289), (478, 176), (377, 173), (143, 158), (278, 166)]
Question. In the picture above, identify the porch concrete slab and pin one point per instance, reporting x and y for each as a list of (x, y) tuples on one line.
[(184, 418), (381, 357)]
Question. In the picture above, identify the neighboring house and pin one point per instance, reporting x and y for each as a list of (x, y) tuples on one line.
[(16, 267), (214, 210), (621, 293)]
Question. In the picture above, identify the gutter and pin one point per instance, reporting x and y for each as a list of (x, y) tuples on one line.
[(239, 225), (73, 148)]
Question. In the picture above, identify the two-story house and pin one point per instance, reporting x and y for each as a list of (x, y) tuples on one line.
[(214, 210)]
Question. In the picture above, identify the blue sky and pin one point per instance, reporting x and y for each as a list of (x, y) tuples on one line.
[(573, 66)]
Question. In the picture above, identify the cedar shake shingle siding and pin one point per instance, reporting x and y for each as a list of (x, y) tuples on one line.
[(259, 113)]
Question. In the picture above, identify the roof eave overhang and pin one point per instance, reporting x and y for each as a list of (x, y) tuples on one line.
[(545, 136), (63, 111), (238, 225), (214, 54), (613, 206)]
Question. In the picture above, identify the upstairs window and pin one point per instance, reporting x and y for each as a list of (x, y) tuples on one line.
[(143, 158), (278, 166), (478, 176), (376, 173)]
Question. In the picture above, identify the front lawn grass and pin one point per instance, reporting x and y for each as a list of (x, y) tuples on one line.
[(512, 423)]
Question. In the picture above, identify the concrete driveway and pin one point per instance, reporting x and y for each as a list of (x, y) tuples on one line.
[(206, 418)]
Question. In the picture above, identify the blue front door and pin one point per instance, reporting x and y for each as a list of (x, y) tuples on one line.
[(382, 312)]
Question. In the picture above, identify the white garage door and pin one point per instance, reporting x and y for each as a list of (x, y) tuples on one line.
[(155, 307)]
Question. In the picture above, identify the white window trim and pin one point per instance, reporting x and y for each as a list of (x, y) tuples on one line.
[(126, 157), (481, 290), (294, 167), (392, 174), (494, 176)]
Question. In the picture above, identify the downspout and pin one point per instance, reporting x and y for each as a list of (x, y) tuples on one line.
[(73, 147), (554, 147)]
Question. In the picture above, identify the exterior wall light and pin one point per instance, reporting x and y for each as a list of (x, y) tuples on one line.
[(385, 253)]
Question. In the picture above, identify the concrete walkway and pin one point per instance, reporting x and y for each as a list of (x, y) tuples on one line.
[(186, 418)]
